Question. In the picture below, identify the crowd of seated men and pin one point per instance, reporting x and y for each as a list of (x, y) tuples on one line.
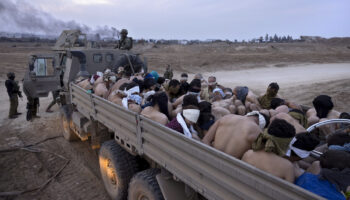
[(266, 131)]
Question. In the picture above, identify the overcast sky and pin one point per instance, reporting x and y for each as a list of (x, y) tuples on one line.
[(205, 19)]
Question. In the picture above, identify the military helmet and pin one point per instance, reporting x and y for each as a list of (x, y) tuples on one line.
[(124, 32), (10, 75)]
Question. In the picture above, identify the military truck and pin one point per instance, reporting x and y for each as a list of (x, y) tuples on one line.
[(139, 158)]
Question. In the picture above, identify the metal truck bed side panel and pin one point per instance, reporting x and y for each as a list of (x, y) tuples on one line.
[(214, 174), (210, 172)]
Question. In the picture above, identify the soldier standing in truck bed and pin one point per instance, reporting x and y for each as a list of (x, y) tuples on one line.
[(125, 43), (13, 92)]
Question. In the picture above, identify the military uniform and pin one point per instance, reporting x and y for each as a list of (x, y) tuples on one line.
[(125, 43), (55, 95), (32, 107), (168, 74), (13, 92)]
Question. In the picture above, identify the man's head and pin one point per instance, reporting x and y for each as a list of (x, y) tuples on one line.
[(160, 99), (301, 146), (275, 102), (273, 88), (190, 109), (205, 107), (344, 115), (212, 82), (228, 93), (195, 86), (11, 76), (174, 86), (323, 104), (161, 80), (281, 128), (134, 89), (190, 100), (120, 71), (276, 138), (149, 84), (335, 159), (218, 94), (198, 76), (184, 77), (123, 33), (263, 119), (338, 139)]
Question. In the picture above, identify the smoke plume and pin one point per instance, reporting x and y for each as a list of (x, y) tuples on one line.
[(20, 17)]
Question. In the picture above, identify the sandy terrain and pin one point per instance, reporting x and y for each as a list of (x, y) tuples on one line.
[(302, 70)]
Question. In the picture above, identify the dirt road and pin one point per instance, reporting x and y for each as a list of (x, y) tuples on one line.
[(294, 75)]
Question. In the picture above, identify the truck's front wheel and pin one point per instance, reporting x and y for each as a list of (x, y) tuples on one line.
[(117, 167), (144, 186), (68, 133)]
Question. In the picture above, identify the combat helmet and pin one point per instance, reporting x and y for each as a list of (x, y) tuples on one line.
[(11, 75), (124, 32)]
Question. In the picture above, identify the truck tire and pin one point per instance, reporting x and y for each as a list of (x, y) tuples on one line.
[(68, 133), (144, 186), (117, 167)]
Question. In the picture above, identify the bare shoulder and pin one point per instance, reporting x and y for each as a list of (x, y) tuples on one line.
[(333, 114), (247, 155), (162, 118), (311, 111), (145, 110)]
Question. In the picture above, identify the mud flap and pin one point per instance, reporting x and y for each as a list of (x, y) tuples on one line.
[(173, 190)]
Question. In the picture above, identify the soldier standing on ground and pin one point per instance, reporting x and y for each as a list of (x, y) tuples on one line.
[(168, 74), (55, 95), (32, 107), (125, 43), (13, 92)]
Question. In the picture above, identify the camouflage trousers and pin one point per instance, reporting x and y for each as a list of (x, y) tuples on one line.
[(13, 105), (32, 107)]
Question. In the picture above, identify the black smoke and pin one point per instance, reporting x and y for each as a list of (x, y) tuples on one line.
[(20, 17)]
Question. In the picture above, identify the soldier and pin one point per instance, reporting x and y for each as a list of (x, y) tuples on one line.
[(168, 74), (55, 95), (125, 43), (32, 107), (13, 92)]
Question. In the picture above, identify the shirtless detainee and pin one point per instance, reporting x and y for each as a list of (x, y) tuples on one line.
[(234, 134), (158, 111), (271, 92), (269, 148), (323, 110)]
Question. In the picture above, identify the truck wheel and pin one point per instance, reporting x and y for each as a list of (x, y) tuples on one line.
[(117, 167), (68, 133), (144, 186)]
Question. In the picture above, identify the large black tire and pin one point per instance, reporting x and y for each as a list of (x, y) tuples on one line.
[(144, 186), (117, 167), (68, 133)]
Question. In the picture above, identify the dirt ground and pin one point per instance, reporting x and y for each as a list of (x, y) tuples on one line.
[(233, 64)]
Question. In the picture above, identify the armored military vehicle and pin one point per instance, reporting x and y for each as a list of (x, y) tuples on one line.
[(139, 158)]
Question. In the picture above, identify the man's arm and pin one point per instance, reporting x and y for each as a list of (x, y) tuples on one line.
[(289, 172), (210, 136)]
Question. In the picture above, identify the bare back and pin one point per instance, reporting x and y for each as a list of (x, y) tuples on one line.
[(155, 115), (233, 134), (298, 127), (271, 163)]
